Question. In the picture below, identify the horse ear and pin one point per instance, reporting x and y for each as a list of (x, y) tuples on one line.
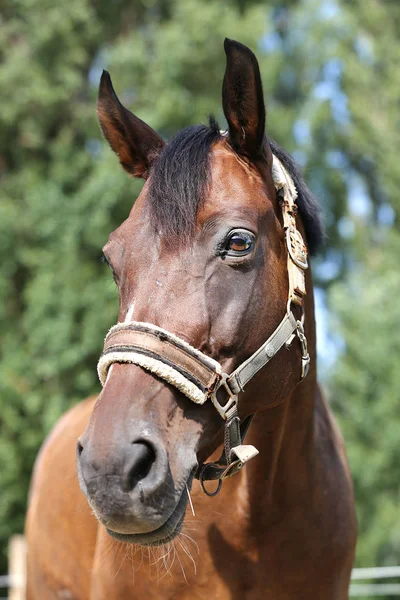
[(135, 143), (243, 101)]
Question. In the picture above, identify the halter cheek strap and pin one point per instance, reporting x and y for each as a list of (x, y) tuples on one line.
[(200, 377)]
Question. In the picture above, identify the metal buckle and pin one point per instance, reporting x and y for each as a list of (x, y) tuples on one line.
[(231, 402), (242, 454), (305, 357)]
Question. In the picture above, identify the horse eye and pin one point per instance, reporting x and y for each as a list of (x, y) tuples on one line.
[(239, 243), (104, 259)]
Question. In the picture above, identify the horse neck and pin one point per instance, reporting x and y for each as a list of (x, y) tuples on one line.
[(285, 434)]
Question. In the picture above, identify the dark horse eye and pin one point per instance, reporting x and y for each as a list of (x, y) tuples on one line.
[(239, 243)]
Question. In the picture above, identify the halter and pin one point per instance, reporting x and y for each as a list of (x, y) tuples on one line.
[(200, 377)]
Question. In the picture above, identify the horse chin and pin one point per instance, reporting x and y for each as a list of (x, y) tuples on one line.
[(162, 535)]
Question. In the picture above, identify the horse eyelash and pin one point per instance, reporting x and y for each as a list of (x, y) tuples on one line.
[(103, 259)]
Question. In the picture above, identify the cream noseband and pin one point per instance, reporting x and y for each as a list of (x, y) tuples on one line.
[(200, 377)]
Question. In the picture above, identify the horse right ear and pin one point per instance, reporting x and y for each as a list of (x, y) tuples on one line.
[(243, 101), (135, 143)]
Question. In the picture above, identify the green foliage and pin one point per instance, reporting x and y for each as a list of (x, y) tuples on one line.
[(365, 395)]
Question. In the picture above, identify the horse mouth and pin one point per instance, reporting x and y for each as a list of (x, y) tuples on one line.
[(164, 534)]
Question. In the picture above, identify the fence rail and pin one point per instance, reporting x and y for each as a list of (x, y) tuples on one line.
[(374, 589), (375, 573)]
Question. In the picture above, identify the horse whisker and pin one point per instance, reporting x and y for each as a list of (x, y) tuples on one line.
[(122, 562), (165, 558), (182, 569), (188, 553), (190, 500), (192, 540)]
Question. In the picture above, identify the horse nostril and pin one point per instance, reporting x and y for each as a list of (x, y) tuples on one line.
[(139, 462), (79, 448)]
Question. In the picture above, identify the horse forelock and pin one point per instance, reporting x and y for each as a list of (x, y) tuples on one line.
[(180, 177)]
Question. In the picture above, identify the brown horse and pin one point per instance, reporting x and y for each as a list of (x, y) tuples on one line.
[(211, 271)]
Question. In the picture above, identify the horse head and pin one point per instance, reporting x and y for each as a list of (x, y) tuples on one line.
[(201, 264)]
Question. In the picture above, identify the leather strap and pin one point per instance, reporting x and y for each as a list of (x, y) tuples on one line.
[(144, 340), (234, 435), (246, 371)]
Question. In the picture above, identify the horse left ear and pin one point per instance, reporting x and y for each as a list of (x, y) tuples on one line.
[(135, 143), (243, 100)]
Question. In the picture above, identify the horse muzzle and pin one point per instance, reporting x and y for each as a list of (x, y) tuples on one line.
[(131, 489)]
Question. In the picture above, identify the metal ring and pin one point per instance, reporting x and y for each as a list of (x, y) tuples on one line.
[(211, 494), (289, 309)]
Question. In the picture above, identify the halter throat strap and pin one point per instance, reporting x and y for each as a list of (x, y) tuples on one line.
[(200, 377)]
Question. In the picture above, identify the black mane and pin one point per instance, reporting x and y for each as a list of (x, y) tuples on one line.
[(181, 173), (180, 176)]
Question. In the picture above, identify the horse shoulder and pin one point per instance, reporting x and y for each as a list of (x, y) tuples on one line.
[(60, 529)]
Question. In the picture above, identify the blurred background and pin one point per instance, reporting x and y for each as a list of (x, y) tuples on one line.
[(331, 81)]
